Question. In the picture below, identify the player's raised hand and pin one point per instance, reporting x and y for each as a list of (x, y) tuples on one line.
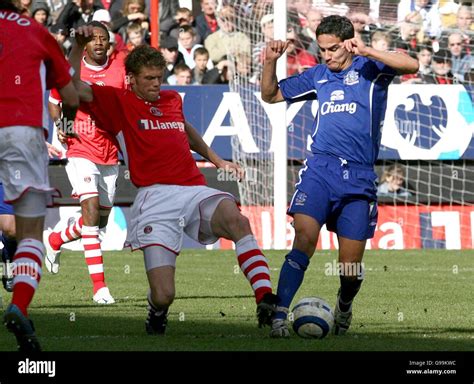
[(275, 49), (83, 35), (355, 46)]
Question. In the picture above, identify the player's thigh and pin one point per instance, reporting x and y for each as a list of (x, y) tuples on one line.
[(157, 218), (23, 161), (200, 213), (107, 185), (84, 177)]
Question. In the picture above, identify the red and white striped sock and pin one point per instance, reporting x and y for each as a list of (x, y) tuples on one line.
[(254, 265), (93, 255), (27, 272), (70, 233)]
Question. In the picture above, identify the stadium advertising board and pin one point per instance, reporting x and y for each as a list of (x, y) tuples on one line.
[(422, 122), (408, 227)]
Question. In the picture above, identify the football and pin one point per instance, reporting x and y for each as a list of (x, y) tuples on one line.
[(312, 318)]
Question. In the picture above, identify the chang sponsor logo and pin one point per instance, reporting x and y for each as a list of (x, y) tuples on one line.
[(332, 107)]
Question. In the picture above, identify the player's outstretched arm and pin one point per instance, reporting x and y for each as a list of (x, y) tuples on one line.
[(269, 86), (400, 62), (198, 145), (70, 102), (82, 36)]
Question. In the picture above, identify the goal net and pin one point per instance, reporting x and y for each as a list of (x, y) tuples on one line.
[(426, 153)]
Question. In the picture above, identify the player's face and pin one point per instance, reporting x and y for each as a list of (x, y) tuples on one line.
[(147, 83), (96, 49), (337, 58)]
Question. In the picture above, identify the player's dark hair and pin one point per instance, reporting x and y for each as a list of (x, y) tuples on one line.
[(144, 56), (9, 5), (338, 26), (98, 24)]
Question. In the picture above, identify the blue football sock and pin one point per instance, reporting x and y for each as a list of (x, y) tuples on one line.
[(291, 277), (349, 288), (9, 248)]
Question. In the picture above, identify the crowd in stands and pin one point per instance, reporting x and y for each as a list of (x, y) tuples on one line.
[(217, 39)]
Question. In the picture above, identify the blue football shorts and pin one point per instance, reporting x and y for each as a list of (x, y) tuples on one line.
[(5, 209), (340, 194)]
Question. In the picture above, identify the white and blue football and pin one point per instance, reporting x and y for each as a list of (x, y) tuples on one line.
[(312, 318)]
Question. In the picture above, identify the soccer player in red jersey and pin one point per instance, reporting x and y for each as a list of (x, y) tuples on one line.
[(92, 166), (30, 62), (172, 198)]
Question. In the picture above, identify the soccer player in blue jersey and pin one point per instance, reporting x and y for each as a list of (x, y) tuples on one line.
[(337, 185)]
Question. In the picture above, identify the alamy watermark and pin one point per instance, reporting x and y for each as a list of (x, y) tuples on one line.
[(336, 268)]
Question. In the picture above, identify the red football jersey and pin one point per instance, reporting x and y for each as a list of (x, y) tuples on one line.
[(28, 66), (95, 144), (155, 138)]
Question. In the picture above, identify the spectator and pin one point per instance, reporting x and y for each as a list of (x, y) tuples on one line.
[(427, 9), (301, 8), (266, 24), (167, 10), (203, 75), (135, 36), (187, 45), (183, 75), (461, 60), (183, 17), (424, 55), (169, 49), (77, 13), (381, 41), (308, 34), (441, 70), (363, 26), (132, 11), (409, 36), (40, 12), (227, 41), (298, 59), (206, 22), (55, 7), (392, 183)]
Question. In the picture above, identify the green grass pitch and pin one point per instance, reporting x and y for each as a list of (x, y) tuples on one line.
[(410, 301)]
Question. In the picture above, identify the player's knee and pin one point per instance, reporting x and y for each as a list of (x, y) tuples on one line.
[(9, 229), (238, 225), (305, 241), (163, 297)]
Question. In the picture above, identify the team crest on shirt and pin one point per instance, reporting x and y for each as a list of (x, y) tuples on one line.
[(87, 179), (351, 78), (337, 95), (148, 229), (300, 198), (155, 111)]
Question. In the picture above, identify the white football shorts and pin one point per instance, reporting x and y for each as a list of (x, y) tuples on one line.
[(161, 214), (89, 179), (24, 162)]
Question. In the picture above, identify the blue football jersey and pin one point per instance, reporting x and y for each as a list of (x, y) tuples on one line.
[(351, 108)]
